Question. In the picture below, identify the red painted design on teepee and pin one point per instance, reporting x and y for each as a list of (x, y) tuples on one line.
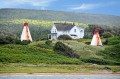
[(25, 24), (96, 38), (96, 32), (27, 35)]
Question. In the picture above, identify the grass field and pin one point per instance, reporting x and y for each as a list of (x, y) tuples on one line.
[(53, 68), (38, 57)]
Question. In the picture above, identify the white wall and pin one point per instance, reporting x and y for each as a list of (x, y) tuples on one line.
[(77, 32), (81, 33), (60, 33)]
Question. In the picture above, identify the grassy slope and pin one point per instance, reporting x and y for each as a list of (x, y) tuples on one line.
[(85, 50), (38, 57), (32, 54), (91, 54)]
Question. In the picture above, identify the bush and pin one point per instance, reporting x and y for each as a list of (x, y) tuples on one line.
[(107, 68), (87, 37), (107, 35), (2, 41), (48, 42), (94, 61), (25, 42), (106, 42), (64, 37), (112, 52), (88, 43), (9, 40), (99, 61), (59, 46), (114, 40)]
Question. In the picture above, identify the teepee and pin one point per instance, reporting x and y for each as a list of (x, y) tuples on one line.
[(96, 41), (26, 33)]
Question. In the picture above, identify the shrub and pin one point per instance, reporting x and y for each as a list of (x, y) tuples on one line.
[(112, 52), (107, 68), (48, 42), (9, 40), (106, 42), (87, 37), (100, 61), (114, 40), (2, 41), (59, 46), (25, 42), (107, 35), (64, 37), (88, 43), (94, 61)]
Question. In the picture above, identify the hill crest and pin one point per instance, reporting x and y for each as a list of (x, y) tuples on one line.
[(11, 13)]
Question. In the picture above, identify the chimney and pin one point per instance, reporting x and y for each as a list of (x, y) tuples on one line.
[(73, 23), (65, 23)]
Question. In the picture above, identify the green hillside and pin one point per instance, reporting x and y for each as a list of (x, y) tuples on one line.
[(40, 52), (39, 57), (33, 55), (40, 21), (59, 16)]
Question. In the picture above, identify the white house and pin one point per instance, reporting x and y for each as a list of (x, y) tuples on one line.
[(73, 31)]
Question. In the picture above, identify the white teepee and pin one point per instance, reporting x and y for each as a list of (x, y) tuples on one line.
[(26, 33), (96, 41)]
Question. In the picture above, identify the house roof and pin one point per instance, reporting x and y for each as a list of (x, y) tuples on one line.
[(63, 26), (80, 28)]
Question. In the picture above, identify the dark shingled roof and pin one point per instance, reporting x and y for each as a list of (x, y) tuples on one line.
[(64, 26)]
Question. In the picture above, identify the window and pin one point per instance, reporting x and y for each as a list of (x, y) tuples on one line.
[(73, 35), (74, 30), (55, 30), (81, 31)]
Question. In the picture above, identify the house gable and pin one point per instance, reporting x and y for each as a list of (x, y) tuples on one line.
[(75, 32), (53, 29)]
